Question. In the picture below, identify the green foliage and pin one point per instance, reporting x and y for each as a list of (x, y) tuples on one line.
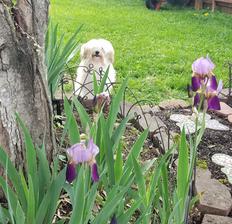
[(58, 54), (32, 198)]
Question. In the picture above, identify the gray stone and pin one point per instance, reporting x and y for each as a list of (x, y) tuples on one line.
[(225, 161), (215, 219), (188, 121), (223, 95), (222, 159), (216, 125), (180, 118), (189, 126), (147, 119), (225, 110), (173, 104), (164, 139), (152, 122), (134, 110), (200, 117), (158, 130), (228, 172), (230, 118), (151, 109), (215, 197)]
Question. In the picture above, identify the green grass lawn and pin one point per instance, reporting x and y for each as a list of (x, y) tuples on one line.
[(154, 49)]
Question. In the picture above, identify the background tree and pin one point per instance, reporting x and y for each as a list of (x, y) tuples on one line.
[(23, 84)]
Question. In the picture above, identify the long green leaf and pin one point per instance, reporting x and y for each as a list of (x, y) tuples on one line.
[(31, 160), (117, 99), (73, 130), (107, 145), (136, 148), (10, 195), (31, 202), (85, 120), (78, 207), (125, 218), (118, 166), (19, 216), (110, 204), (54, 192), (44, 173), (103, 81), (140, 181), (183, 167), (90, 200), (117, 134), (4, 215), (48, 205), (14, 177)]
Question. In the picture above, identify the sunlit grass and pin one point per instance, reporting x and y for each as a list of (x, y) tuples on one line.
[(154, 49)]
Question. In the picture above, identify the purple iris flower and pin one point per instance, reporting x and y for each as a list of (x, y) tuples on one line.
[(212, 91), (204, 83), (196, 83), (203, 66), (71, 172), (79, 153)]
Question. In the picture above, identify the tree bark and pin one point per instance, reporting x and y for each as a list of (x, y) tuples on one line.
[(23, 84)]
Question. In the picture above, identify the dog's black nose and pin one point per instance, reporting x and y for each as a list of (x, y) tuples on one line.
[(97, 52)]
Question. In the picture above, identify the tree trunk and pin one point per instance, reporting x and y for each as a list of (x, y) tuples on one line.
[(23, 84)]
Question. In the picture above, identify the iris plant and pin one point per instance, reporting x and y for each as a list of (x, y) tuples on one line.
[(102, 100), (204, 83), (79, 153)]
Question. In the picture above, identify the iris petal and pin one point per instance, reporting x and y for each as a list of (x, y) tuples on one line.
[(71, 172), (196, 83), (213, 83), (95, 176), (92, 148), (196, 99), (213, 103), (79, 153), (203, 66)]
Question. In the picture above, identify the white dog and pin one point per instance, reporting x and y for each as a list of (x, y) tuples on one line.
[(99, 53)]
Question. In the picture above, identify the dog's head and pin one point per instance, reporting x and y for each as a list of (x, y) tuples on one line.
[(98, 51)]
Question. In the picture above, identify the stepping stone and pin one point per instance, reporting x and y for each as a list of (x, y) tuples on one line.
[(216, 125), (180, 118), (228, 172), (173, 104), (225, 161), (215, 219), (222, 159), (188, 125), (215, 197), (137, 110), (151, 109), (225, 110), (152, 122), (200, 117), (157, 129), (188, 121), (230, 118)]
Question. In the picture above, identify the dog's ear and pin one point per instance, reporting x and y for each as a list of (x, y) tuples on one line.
[(83, 52), (110, 56)]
